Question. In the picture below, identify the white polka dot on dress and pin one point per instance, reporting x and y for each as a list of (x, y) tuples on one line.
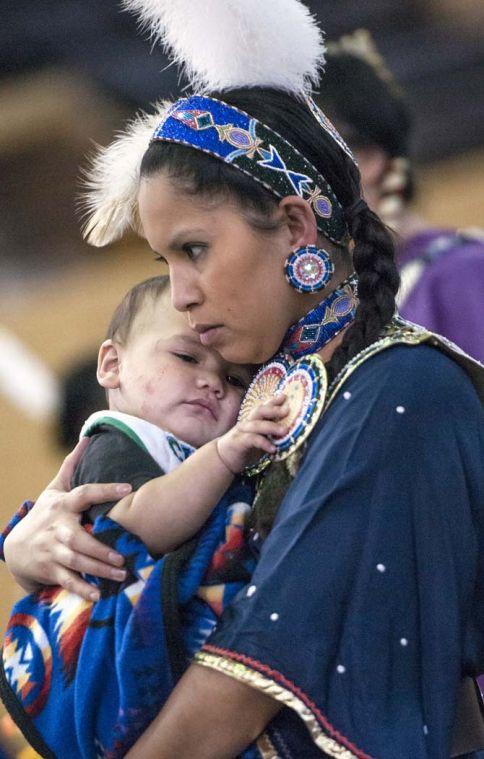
[(251, 590), (341, 669), (381, 567), (400, 409), (274, 616), (425, 730), (347, 395), (403, 642)]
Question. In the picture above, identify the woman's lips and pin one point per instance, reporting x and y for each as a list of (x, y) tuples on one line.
[(209, 335)]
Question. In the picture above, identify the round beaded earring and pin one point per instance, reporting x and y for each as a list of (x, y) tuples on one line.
[(309, 269)]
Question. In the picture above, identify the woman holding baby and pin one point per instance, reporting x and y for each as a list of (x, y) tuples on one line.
[(364, 611)]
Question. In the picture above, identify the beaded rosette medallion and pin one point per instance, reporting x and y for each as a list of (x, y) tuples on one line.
[(304, 383)]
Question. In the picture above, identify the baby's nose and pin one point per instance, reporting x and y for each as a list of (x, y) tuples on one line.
[(213, 381)]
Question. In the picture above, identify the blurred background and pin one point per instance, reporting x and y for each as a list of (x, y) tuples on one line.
[(71, 73)]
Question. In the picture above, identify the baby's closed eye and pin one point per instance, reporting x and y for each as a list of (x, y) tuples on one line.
[(186, 357)]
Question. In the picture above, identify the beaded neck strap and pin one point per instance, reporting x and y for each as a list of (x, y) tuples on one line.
[(209, 125), (303, 380), (323, 322)]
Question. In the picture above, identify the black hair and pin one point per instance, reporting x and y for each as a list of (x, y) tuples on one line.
[(125, 313), (367, 107), (196, 172)]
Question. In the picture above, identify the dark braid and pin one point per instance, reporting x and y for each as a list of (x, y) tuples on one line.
[(378, 281)]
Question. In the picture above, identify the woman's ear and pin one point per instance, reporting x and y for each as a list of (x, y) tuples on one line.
[(108, 365), (300, 219)]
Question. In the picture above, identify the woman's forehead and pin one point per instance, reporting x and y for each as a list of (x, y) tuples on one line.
[(159, 193), (168, 214), (158, 197)]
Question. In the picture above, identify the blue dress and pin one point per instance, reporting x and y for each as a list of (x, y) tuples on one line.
[(366, 607)]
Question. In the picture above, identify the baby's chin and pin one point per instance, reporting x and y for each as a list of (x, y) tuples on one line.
[(191, 426), (192, 436)]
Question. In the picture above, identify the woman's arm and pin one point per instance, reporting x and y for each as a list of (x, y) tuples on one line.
[(208, 716), (49, 546), (168, 510)]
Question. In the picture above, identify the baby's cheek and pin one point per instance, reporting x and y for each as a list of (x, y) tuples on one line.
[(150, 395), (146, 409), (149, 388), (233, 408)]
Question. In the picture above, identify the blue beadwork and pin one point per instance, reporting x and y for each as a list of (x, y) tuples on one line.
[(295, 434), (309, 334), (235, 137), (304, 382), (309, 269), (323, 322), (323, 206)]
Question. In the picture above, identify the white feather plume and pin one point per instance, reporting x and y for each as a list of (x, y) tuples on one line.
[(222, 44), (112, 180)]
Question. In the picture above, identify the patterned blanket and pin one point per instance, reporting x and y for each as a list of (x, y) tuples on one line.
[(85, 679)]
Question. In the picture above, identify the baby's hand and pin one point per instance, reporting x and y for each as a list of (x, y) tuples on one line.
[(242, 445)]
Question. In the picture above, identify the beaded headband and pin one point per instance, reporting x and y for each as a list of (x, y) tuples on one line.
[(230, 134)]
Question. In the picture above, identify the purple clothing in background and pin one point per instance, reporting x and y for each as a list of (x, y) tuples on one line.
[(448, 298)]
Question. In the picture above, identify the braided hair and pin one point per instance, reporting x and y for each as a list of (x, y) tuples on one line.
[(378, 281), (373, 251)]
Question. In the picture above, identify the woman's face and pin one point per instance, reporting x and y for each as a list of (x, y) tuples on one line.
[(227, 276)]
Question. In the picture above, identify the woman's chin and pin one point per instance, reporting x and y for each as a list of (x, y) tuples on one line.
[(247, 352)]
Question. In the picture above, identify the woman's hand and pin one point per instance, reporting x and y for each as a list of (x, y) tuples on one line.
[(49, 546)]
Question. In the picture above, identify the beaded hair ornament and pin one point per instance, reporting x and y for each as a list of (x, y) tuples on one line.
[(228, 133)]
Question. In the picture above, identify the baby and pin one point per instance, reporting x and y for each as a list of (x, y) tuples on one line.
[(85, 679), (158, 376)]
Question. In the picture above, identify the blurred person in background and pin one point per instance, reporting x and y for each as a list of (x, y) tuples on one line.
[(442, 270), (80, 396)]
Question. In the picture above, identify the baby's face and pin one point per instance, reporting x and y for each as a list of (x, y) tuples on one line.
[(167, 377)]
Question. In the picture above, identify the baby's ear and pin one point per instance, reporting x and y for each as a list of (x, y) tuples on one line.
[(108, 365)]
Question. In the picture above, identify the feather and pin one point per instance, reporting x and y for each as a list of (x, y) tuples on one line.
[(112, 180), (223, 44)]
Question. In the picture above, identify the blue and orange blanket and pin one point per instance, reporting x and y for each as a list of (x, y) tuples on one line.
[(85, 679)]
